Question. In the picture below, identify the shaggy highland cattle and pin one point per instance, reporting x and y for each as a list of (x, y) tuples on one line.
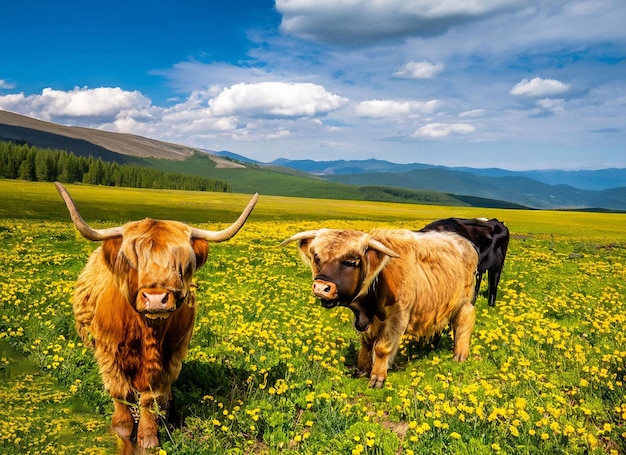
[(490, 237), (395, 282), (134, 304)]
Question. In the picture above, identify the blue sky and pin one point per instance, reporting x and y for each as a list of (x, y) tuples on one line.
[(484, 83)]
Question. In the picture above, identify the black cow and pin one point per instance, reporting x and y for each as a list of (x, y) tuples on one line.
[(491, 238)]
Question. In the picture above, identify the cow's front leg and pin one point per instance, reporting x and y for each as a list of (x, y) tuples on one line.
[(122, 421), (385, 348), (150, 406)]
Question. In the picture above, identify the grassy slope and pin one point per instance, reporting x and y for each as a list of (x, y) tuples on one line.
[(254, 179), (38, 200), (96, 203)]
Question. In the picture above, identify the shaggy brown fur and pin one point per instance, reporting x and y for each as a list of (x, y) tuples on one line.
[(139, 357), (396, 282), (134, 304)]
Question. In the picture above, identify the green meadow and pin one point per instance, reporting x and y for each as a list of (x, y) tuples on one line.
[(270, 371)]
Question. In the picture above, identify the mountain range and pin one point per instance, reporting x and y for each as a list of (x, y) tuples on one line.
[(541, 189), (545, 189), (594, 180)]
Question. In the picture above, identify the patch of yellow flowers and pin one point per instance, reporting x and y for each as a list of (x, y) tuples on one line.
[(546, 367)]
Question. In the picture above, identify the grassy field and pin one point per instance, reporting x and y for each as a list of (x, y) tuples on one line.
[(269, 369)]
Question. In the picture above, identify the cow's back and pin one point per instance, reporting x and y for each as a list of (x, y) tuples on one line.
[(435, 275)]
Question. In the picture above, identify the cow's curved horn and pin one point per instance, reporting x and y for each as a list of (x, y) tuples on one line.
[(81, 225), (300, 236), (229, 232), (376, 245)]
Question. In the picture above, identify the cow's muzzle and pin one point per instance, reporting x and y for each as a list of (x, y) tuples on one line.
[(326, 291), (156, 302)]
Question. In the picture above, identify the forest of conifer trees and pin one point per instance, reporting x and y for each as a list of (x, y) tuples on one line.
[(24, 162)]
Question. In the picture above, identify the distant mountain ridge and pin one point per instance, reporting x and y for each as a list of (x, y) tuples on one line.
[(521, 190), (594, 180), (545, 189), (343, 167)]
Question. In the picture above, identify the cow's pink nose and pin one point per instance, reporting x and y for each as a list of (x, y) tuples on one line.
[(155, 302), (325, 289)]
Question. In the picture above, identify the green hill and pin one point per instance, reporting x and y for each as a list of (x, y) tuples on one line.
[(279, 181)]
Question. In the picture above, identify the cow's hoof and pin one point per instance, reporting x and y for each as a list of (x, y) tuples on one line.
[(148, 441), (460, 357), (377, 382)]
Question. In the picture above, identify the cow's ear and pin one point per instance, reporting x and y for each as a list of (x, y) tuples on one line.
[(305, 253), (110, 249), (304, 245), (375, 261), (201, 249)]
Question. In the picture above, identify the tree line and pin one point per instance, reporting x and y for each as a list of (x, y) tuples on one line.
[(25, 162)]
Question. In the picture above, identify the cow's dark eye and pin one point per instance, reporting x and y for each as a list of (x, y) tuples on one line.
[(316, 259), (350, 262)]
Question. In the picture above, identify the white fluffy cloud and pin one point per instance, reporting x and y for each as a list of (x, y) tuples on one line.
[(419, 70), (366, 21), (393, 108), (539, 87), (104, 103), (241, 112), (275, 99), (439, 130)]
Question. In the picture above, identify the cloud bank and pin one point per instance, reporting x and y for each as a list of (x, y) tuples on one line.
[(363, 22), (101, 104)]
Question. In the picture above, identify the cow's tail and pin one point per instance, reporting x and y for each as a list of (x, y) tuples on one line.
[(501, 239)]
